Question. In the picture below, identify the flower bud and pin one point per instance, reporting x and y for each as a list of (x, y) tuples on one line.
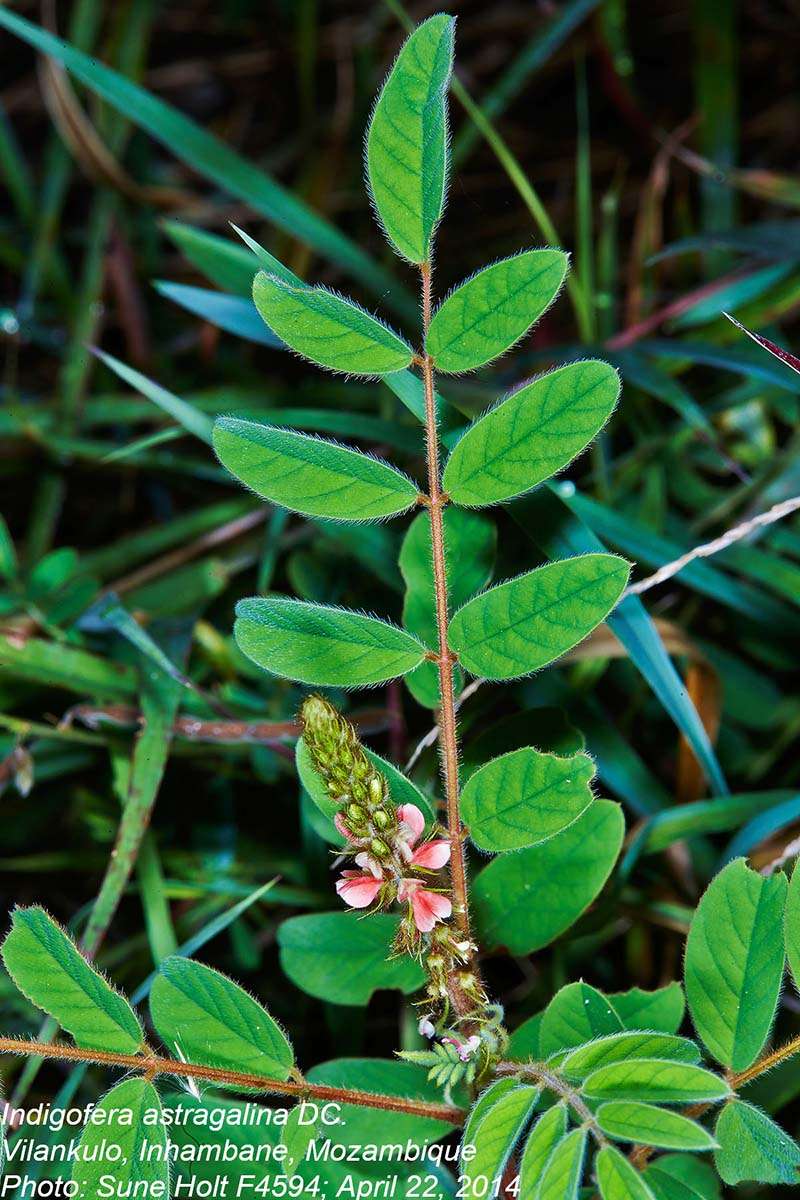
[(380, 850)]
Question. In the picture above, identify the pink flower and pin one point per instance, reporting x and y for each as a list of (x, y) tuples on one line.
[(357, 890), (464, 1049), (431, 856), (412, 824), (427, 907)]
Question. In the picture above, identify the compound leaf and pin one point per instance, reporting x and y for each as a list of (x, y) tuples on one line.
[(128, 1132), (659, 1080), (323, 646), (528, 622), (734, 962), (632, 1121), (753, 1148), (328, 329), (48, 968), (214, 1022), (525, 797), (407, 140), (532, 434), (617, 1179), (310, 475)]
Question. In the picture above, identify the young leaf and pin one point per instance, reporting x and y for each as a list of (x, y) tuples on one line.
[(495, 1135), (487, 314), (315, 947), (662, 1009), (734, 962), (531, 434), (126, 1139), (631, 1121), (542, 1141), (528, 622), (792, 924), (654, 1079), (577, 1013), (524, 900), (525, 797), (753, 1148), (406, 147), (620, 1047), (309, 475), (329, 330), (323, 646), (211, 1021), (48, 969), (561, 1178), (617, 1179)]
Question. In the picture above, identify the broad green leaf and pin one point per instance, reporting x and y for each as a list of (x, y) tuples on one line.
[(617, 1179), (524, 1041), (309, 475), (402, 790), (525, 797), (661, 1010), (793, 925), (210, 1020), (694, 1175), (524, 900), (666, 1187), (407, 140), (631, 1121), (324, 646), (47, 968), (496, 1134), (659, 1080), (484, 316), (576, 1014), (531, 434), (371, 1126), (734, 962), (126, 1141), (528, 622), (542, 1141), (470, 540), (753, 1148), (314, 948), (621, 1047), (561, 1177), (329, 330)]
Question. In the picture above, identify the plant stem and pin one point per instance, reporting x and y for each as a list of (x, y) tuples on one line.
[(538, 1073), (448, 735), (152, 1065)]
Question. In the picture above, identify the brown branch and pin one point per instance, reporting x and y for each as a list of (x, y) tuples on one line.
[(153, 1065)]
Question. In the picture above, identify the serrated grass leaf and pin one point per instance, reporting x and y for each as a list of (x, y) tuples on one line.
[(632, 1121)]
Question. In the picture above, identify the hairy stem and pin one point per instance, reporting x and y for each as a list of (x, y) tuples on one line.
[(448, 735), (152, 1065), (538, 1073)]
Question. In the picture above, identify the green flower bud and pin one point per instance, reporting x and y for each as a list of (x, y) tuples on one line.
[(380, 849)]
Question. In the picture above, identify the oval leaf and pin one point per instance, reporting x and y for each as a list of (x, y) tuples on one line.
[(310, 475), (495, 1135), (323, 646), (753, 1148), (734, 962), (662, 1009), (484, 316), (631, 1121), (315, 947), (655, 1079), (48, 969), (128, 1144), (532, 434), (542, 1141), (525, 797), (617, 1179), (407, 140), (528, 622), (619, 1047), (576, 1014), (524, 900), (214, 1022), (329, 330)]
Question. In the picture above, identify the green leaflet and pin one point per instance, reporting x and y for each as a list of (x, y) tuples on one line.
[(617, 1179), (525, 797), (667, 1187), (734, 962), (296, 1135), (54, 975), (659, 1080), (309, 475), (486, 1100), (620, 1047), (528, 622), (406, 147), (793, 925), (631, 1121), (531, 434), (403, 791), (314, 948), (561, 1177), (329, 330), (323, 646), (524, 900), (129, 1144), (576, 1014), (542, 1140), (210, 1020), (753, 1147), (484, 316), (523, 1044), (470, 540), (495, 1135), (661, 1009), (684, 1177), (371, 1126)]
